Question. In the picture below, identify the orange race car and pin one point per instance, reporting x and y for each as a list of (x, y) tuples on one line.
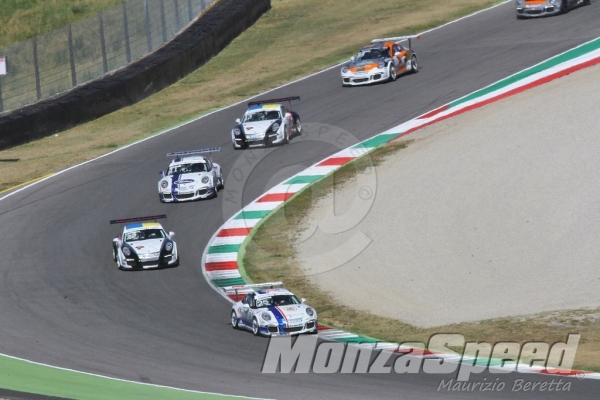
[(383, 60)]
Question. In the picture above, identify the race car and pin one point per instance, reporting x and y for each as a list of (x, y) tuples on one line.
[(271, 311), (543, 8), (382, 60), (190, 177), (144, 245), (265, 123)]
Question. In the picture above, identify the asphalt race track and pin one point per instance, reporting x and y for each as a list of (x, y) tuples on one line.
[(64, 303)]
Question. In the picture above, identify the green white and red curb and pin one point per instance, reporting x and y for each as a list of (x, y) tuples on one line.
[(220, 259)]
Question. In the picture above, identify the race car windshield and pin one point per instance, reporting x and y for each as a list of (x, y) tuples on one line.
[(372, 54), (262, 116), (279, 300), (187, 169), (144, 234)]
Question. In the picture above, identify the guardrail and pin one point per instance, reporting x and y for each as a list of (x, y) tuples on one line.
[(49, 64)]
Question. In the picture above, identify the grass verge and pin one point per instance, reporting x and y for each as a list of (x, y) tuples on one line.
[(271, 256), (293, 39)]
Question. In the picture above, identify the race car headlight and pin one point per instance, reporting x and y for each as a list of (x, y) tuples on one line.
[(344, 70), (265, 316), (164, 184), (275, 127), (310, 312), (126, 251), (381, 65), (205, 179), (237, 132), (169, 246)]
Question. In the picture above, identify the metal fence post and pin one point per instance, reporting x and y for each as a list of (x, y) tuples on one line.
[(126, 32), (147, 15), (162, 20), (102, 43), (177, 21), (72, 58), (190, 14), (36, 66)]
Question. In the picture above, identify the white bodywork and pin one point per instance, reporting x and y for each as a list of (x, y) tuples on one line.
[(265, 125), (144, 246), (274, 312), (190, 178)]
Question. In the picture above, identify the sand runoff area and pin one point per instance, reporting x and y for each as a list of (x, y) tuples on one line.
[(492, 213)]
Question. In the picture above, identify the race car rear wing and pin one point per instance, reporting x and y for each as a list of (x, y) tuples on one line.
[(250, 287), (138, 219), (210, 150), (398, 39), (288, 99)]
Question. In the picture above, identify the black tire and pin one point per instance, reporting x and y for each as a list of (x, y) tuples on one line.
[(392, 72), (298, 126), (114, 254), (234, 320), (221, 185), (564, 7), (414, 64), (255, 329), (216, 191)]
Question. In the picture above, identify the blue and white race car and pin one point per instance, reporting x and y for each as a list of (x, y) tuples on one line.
[(144, 245), (266, 123), (190, 177), (271, 311)]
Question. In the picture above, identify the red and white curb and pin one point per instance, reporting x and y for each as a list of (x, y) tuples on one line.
[(220, 258)]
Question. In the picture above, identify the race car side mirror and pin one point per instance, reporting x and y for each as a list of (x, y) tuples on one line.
[(171, 234), (237, 121), (303, 300), (352, 59)]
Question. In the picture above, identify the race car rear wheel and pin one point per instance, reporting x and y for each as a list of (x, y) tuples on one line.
[(392, 73), (414, 64), (234, 320), (255, 327)]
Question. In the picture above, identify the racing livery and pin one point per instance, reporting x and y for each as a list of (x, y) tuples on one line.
[(190, 177), (383, 60), (271, 311), (542, 8), (144, 245), (266, 123)]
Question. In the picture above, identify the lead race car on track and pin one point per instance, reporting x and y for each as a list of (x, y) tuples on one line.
[(271, 311), (144, 245), (190, 177), (383, 60), (543, 8), (265, 123)]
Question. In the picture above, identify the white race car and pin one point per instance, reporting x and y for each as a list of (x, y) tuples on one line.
[(190, 177), (144, 245), (266, 123), (273, 311)]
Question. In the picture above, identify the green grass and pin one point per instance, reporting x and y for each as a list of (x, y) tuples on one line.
[(23, 19)]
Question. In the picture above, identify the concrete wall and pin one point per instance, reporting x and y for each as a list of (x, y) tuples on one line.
[(188, 51)]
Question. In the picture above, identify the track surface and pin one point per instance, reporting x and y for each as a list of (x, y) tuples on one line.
[(64, 302)]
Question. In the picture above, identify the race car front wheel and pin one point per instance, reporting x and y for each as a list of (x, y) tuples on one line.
[(392, 72), (234, 320), (414, 64), (255, 327)]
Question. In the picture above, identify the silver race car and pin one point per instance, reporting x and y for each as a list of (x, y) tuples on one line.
[(271, 311), (266, 123), (144, 245), (190, 177), (542, 8)]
